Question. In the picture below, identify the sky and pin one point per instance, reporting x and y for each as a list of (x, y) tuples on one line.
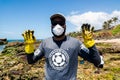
[(16, 16)]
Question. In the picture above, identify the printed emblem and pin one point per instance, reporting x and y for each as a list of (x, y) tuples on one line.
[(58, 59)]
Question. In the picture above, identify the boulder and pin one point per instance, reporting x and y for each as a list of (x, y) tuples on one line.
[(3, 41)]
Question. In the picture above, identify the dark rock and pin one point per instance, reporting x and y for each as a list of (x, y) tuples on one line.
[(15, 72), (3, 41), (14, 44)]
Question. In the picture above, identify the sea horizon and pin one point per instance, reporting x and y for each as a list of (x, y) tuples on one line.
[(18, 40), (14, 40)]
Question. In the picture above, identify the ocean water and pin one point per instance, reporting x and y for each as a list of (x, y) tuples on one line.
[(15, 40), (1, 47)]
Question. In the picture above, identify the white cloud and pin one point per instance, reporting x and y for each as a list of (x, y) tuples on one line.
[(96, 19), (116, 13)]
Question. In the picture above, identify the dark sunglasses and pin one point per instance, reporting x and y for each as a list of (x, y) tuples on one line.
[(57, 22)]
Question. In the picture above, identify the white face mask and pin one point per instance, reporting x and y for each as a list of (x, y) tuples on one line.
[(58, 30)]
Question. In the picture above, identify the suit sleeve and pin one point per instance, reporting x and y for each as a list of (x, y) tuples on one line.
[(38, 54), (90, 54)]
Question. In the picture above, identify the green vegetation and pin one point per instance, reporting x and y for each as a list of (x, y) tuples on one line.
[(110, 71), (107, 24), (108, 30), (116, 30), (101, 34), (10, 50), (103, 45), (75, 34)]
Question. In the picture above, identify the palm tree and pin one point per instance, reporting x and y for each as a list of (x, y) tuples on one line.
[(115, 19), (109, 23), (105, 25)]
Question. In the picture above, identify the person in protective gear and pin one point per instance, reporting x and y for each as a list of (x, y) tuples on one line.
[(61, 51)]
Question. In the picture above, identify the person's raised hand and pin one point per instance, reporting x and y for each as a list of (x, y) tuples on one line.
[(87, 33), (29, 40)]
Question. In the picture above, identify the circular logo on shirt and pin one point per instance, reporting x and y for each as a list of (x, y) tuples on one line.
[(58, 59)]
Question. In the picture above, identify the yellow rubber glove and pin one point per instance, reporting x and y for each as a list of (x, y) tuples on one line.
[(29, 41), (87, 33)]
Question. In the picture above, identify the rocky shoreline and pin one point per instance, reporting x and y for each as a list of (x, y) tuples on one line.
[(13, 64), (104, 45), (3, 41)]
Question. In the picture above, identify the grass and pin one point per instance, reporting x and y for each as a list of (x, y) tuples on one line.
[(103, 44), (116, 30), (110, 71)]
